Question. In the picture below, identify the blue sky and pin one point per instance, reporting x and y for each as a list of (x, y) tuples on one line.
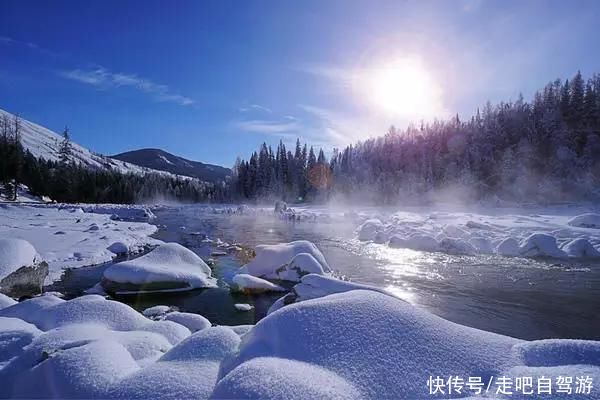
[(210, 80)]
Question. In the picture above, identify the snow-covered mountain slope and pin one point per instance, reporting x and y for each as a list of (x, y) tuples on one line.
[(44, 143), (161, 160)]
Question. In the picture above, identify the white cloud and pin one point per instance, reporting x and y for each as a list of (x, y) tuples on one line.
[(104, 79), (256, 107), (268, 127)]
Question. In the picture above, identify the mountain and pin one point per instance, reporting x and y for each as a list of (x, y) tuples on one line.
[(44, 143), (163, 161)]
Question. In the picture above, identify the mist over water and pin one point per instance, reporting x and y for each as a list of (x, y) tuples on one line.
[(524, 298)]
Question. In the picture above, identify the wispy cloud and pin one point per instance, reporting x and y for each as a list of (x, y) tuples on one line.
[(104, 79), (256, 107), (269, 127)]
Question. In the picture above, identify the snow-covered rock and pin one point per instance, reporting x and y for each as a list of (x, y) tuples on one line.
[(580, 248), (119, 248), (482, 245), (243, 307), (313, 286), (6, 301), (302, 264), (588, 220), (273, 258), (369, 229), (540, 245), (250, 284), (22, 272), (415, 242), (168, 267), (193, 322), (456, 246), (156, 311), (509, 247)]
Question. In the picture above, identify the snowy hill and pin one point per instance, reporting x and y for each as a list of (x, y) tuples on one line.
[(44, 143), (161, 160)]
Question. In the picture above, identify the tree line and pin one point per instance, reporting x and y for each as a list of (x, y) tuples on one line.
[(68, 181), (546, 150)]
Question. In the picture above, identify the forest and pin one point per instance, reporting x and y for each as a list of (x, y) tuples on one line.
[(546, 150)]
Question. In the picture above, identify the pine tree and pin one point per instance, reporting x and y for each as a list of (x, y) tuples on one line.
[(65, 147)]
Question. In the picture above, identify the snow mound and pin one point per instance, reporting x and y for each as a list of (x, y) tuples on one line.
[(156, 311), (251, 284), (580, 248), (281, 379), (415, 242), (81, 371), (14, 254), (188, 370), (369, 229), (271, 258), (193, 322), (509, 247), (540, 245), (456, 246), (586, 221), (15, 334), (169, 266), (6, 301), (482, 245), (382, 357), (31, 309), (302, 264)]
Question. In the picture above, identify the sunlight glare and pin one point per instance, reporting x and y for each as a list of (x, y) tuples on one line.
[(403, 87)]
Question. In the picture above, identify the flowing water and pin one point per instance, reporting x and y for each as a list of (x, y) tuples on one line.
[(524, 298)]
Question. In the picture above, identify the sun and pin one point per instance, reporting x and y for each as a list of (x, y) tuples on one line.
[(402, 87)]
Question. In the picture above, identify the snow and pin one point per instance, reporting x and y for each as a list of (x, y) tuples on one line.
[(369, 229), (84, 371), (243, 307), (580, 248), (156, 311), (508, 247), (15, 334), (168, 263), (352, 344), (251, 284), (78, 245), (118, 248), (540, 245), (479, 231), (302, 264), (6, 301), (415, 242), (588, 220), (280, 378), (456, 246), (193, 322), (271, 258), (14, 254), (188, 370), (369, 345)]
